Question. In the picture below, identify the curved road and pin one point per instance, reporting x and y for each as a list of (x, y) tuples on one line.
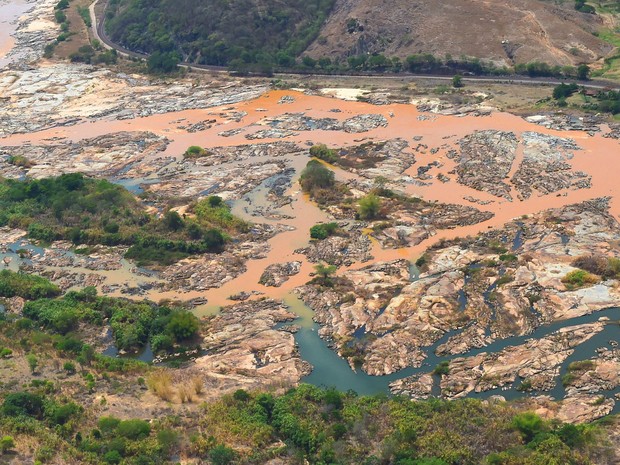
[(98, 31)]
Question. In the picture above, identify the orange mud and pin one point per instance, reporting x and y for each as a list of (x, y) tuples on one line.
[(599, 158)]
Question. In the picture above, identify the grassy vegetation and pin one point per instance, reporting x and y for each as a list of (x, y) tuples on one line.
[(574, 370), (133, 324), (605, 267), (578, 278), (88, 211)]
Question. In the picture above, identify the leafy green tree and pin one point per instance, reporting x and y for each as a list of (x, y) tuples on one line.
[(583, 72), (22, 403), (324, 271), (173, 220), (529, 425), (163, 62), (183, 325), (457, 81), (133, 429), (369, 207), (315, 175), (323, 230)]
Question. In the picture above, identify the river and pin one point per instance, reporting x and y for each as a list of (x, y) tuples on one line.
[(10, 11), (598, 158)]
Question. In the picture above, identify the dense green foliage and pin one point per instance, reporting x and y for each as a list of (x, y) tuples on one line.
[(306, 424), (606, 101), (89, 211), (316, 176), (242, 34), (322, 152), (578, 278), (323, 230), (247, 36), (564, 90), (325, 426), (25, 285), (369, 207), (581, 5), (133, 324)]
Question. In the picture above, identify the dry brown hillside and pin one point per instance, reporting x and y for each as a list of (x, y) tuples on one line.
[(505, 31)]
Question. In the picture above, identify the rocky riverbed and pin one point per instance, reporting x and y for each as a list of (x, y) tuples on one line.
[(494, 211)]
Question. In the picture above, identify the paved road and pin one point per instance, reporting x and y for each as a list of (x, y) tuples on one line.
[(98, 31)]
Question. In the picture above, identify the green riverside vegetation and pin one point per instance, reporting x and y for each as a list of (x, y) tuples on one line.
[(133, 324), (89, 211), (59, 415)]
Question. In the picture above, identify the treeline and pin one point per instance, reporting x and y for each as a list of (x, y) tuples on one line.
[(430, 64), (89, 211)]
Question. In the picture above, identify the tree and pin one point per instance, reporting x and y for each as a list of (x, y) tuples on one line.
[(173, 220), (457, 81), (583, 72), (325, 271), (32, 362), (315, 175), (369, 207), (529, 425), (183, 325), (163, 62)]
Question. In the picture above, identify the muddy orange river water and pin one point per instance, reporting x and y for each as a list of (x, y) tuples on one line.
[(599, 158)]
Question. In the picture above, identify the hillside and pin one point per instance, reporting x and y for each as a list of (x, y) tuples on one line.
[(282, 32), (507, 32), (217, 33)]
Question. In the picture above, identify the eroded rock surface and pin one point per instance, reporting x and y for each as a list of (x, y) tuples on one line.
[(246, 352), (485, 160)]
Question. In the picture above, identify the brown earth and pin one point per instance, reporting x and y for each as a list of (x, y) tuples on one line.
[(506, 32)]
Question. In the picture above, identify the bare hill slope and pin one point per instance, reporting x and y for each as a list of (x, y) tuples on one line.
[(505, 31)]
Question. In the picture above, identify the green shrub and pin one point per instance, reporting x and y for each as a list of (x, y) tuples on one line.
[(578, 278), (323, 230), (443, 368), (322, 152), (133, 429), (25, 285), (60, 414), (183, 325), (6, 443), (369, 207), (315, 175), (528, 424), (108, 425), (22, 403), (112, 457), (222, 455), (195, 151)]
